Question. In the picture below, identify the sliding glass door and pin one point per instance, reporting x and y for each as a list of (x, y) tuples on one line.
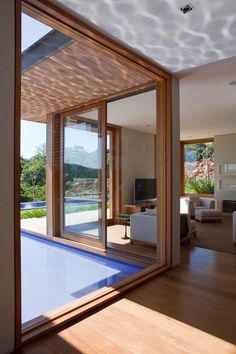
[(83, 182)]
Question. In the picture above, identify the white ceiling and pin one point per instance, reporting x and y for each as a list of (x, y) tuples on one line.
[(134, 112), (183, 44), (207, 101), (158, 29), (207, 104)]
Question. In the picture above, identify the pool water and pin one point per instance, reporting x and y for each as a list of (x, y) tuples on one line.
[(54, 274)]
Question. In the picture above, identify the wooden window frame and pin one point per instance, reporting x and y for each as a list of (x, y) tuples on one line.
[(101, 107), (182, 144), (49, 12)]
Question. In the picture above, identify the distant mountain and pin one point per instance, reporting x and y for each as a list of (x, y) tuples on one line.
[(78, 156), (73, 171)]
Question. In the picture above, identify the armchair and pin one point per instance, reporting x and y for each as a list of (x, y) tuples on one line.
[(187, 227), (199, 203)]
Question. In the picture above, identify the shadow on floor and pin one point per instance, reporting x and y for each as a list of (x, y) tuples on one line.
[(48, 345), (201, 292)]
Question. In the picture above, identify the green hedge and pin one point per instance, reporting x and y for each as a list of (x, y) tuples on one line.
[(199, 186), (33, 213)]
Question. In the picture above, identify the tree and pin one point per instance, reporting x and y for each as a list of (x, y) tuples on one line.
[(33, 176), (198, 152)]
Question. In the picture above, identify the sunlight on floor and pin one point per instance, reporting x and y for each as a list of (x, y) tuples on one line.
[(182, 338)]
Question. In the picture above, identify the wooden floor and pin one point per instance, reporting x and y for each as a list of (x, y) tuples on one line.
[(189, 309), (115, 241), (215, 236)]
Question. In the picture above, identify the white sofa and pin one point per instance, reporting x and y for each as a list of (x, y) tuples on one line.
[(143, 227)]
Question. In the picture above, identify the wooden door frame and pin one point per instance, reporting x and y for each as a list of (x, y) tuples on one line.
[(68, 22), (101, 108)]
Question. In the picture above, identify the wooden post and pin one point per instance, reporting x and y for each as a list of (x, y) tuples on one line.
[(103, 121), (53, 175)]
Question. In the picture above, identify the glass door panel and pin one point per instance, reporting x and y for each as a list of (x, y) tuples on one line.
[(83, 175)]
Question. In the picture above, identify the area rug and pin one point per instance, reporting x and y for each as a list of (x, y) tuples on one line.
[(216, 236)]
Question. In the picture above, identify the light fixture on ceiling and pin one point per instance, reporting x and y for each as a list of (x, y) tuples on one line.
[(232, 83), (187, 8)]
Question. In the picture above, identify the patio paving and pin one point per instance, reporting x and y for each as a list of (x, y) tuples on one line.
[(39, 225)]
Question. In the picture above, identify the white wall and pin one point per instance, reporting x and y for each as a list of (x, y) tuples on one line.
[(7, 20), (138, 152), (175, 173), (225, 152)]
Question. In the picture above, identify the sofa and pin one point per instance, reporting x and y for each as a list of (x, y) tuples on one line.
[(195, 202), (143, 227)]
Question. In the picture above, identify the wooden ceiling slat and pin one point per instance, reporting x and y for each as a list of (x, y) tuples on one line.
[(110, 69), (54, 70), (58, 86), (103, 54), (85, 72), (65, 79), (91, 67), (113, 62), (81, 72)]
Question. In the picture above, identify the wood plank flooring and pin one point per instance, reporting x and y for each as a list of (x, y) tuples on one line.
[(115, 241), (189, 309)]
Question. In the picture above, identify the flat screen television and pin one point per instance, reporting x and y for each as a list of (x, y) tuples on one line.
[(144, 189)]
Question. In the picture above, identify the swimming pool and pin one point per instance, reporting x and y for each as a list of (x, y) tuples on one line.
[(54, 274), (42, 204)]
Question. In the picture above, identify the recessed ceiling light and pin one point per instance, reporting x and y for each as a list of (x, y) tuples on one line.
[(187, 8), (231, 83)]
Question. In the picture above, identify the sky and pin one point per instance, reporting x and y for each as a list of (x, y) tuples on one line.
[(34, 134)]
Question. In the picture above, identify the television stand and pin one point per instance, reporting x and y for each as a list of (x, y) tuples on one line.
[(138, 207)]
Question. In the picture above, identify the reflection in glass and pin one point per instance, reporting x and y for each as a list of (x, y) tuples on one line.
[(82, 174)]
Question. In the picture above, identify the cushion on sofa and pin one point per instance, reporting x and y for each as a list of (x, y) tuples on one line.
[(151, 211)]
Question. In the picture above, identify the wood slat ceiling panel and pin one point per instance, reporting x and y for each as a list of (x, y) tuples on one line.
[(81, 72)]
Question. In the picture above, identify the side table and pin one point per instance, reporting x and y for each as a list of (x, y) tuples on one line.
[(125, 218)]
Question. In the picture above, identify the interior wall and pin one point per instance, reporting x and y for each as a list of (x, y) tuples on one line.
[(225, 152), (7, 39), (175, 173), (138, 154)]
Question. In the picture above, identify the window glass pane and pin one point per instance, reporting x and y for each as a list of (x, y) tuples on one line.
[(199, 168), (33, 177), (134, 226), (82, 175)]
